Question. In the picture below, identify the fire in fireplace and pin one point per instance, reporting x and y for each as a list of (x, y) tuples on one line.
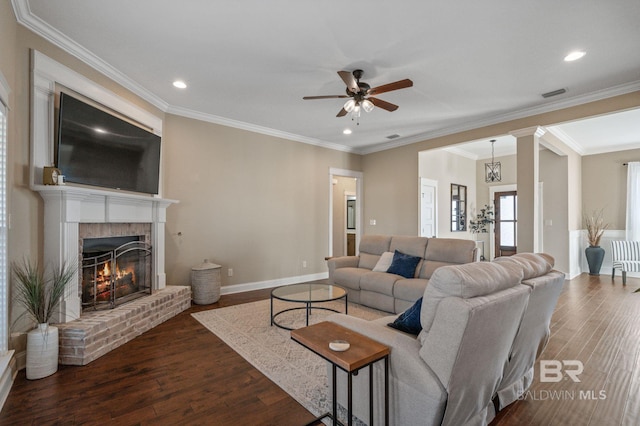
[(114, 270)]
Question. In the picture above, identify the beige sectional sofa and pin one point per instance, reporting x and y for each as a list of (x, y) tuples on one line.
[(483, 326), (390, 292)]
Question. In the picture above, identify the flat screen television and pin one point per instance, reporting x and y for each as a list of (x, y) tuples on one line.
[(100, 149)]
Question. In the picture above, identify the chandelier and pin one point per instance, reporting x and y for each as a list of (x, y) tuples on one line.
[(492, 170)]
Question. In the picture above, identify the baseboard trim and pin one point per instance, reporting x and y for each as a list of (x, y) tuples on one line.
[(260, 285)]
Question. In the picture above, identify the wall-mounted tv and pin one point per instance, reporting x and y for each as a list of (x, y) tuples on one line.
[(100, 149)]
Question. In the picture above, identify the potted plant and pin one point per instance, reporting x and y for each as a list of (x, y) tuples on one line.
[(40, 295), (481, 223), (596, 226)]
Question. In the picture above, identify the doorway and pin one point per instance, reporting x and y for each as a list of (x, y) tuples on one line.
[(345, 211), (506, 223)]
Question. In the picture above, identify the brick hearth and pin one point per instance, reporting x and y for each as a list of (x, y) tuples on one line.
[(96, 333)]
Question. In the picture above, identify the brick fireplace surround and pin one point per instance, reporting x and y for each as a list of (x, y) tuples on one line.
[(71, 213), (96, 333)]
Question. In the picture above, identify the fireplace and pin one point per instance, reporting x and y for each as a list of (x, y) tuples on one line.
[(73, 213), (115, 270)]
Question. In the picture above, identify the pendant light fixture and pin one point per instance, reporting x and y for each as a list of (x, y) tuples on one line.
[(492, 170)]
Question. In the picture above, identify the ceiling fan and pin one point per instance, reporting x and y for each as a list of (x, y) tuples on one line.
[(361, 94)]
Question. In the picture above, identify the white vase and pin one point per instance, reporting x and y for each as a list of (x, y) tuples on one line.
[(42, 351)]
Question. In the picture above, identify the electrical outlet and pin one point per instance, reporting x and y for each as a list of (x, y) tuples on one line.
[(304, 263), (230, 272), (372, 222)]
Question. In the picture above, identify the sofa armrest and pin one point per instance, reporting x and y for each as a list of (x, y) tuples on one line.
[(406, 365), (341, 262)]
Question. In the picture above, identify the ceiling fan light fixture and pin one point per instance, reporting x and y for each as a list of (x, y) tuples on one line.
[(349, 105), (367, 105)]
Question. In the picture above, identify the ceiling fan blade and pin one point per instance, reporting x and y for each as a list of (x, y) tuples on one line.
[(350, 81), (325, 97), (342, 113), (383, 104), (402, 84)]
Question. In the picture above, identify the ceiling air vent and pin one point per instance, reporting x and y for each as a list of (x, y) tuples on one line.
[(395, 135), (554, 93)]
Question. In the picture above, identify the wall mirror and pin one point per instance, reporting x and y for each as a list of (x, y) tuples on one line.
[(351, 214), (458, 207)]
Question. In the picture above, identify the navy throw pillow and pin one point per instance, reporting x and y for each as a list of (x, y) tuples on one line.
[(409, 320), (404, 265)]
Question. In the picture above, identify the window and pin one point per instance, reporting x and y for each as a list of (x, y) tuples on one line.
[(506, 223), (633, 201)]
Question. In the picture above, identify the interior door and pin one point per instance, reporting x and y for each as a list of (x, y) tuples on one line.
[(506, 236), (428, 197)]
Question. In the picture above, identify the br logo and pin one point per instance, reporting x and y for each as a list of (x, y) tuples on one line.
[(555, 371)]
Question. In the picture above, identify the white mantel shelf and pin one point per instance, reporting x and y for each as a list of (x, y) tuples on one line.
[(67, 206), (83, 191), (105, 196)]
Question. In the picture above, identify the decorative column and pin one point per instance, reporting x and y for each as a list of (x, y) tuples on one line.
[(528, 146)]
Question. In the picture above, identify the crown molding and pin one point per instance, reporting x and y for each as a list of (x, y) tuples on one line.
[(566, 139), (44, 30), (536, 131), (210, 118), (597, 95)]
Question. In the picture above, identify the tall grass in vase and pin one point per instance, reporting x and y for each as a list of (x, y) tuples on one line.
[(40, 295), (596, 226)]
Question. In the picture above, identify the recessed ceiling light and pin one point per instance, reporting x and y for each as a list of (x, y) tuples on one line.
[(347, 131), (180, 84), (573, 56)]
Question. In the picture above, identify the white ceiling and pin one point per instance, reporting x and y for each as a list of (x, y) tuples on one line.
[(249, 63)]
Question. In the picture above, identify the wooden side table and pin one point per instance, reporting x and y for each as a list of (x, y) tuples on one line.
[(363, 352)]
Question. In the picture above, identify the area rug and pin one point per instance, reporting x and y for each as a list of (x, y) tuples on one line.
[(298, 371)]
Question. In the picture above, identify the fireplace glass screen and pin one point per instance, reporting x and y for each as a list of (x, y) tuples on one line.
[(115, 270)]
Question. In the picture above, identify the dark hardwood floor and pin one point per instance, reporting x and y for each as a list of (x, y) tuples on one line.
[(180, 373)]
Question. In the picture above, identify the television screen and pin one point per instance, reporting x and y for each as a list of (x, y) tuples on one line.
[(97, 148)]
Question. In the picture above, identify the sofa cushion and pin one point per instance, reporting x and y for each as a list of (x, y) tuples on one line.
[(404, 264), (450, 250), (375, 244), (428, 267), (466, 281), (384, 262), (368, 260), (446, 251), (415, 246), (409, 320), (349, 277), (533, 264), (409, 289), (379, 282)]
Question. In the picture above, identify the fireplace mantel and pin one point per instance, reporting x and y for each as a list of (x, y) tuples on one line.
[(66, 206)]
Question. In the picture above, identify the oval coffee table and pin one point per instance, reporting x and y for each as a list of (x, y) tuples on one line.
[(308, 294)]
